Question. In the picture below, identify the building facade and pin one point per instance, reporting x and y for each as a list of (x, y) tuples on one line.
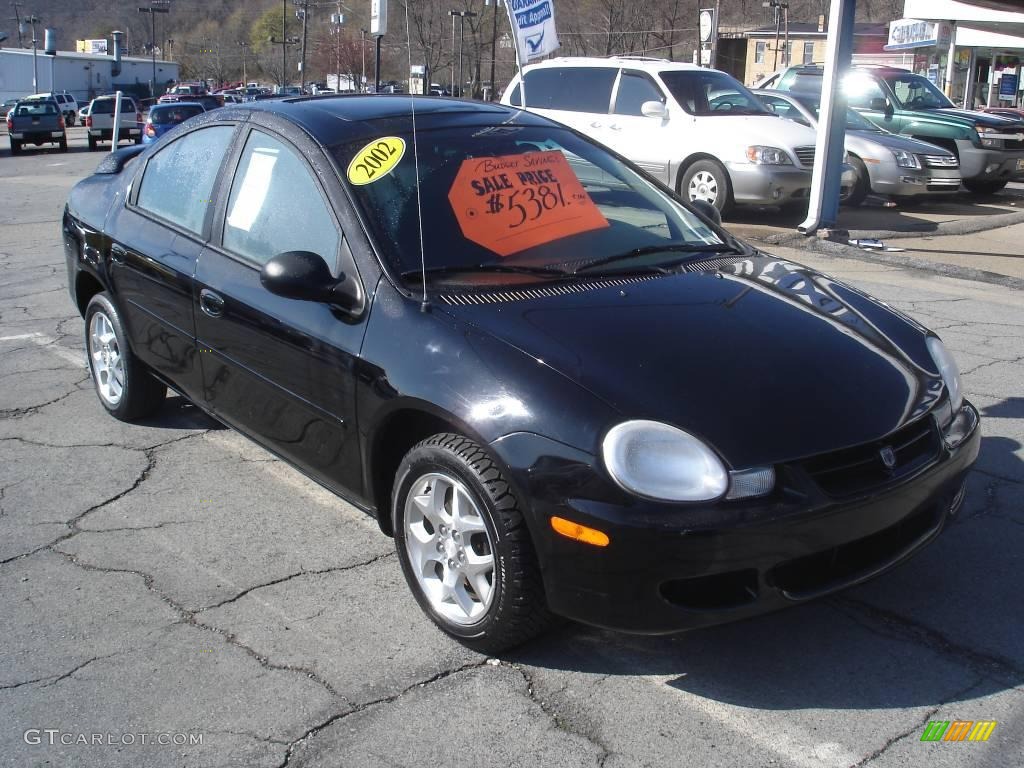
[(806, 46), (84, 75)]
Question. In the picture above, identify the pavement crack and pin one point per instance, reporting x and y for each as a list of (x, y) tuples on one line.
[(187, 616), (917, 728), (297, 574), (877, 620), (49, 680), (356, 709), (17, 413), (560, 722)]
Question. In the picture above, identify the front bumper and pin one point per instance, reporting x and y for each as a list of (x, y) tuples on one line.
[(890, 179), (984, 164), (670, 568), (754, 184)]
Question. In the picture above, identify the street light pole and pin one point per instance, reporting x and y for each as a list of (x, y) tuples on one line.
[(779, 6), (153, 10), (33, 20), (462, 39), (244, 46), (362, 53), (304, 10)]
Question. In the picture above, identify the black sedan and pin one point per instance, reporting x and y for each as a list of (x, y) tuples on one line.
[(561, 389)]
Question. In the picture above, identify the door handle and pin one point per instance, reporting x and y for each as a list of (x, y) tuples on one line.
[(615, 127), (211, 303), (595, 124), (117, 254)]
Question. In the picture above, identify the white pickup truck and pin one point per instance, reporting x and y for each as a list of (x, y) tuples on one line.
[(100, 121)]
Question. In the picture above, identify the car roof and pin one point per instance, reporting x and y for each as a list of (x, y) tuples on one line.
[(634, 62), (177, 105), (336, 119)]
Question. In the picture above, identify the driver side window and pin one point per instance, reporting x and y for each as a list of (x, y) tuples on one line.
[(276, 206)]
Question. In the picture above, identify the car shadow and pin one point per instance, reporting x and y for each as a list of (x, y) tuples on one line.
[(180, 413), (944, 626)]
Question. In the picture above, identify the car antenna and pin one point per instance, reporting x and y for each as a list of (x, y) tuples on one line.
[(425, 304)]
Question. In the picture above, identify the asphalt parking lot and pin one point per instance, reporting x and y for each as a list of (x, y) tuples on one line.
[(173, 581)]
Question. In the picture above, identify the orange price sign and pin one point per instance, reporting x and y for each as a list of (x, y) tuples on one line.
[(513, 202)]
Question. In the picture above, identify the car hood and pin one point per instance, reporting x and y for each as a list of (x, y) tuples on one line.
[(998, 122), (770, 130), (892, 141), (767, 360)]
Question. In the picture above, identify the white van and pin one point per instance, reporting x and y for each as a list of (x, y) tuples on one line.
[(698, 130)]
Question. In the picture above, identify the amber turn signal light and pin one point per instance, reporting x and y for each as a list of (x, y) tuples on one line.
[(572, 530)]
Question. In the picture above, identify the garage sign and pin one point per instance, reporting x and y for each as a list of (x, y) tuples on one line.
[(510, 203)]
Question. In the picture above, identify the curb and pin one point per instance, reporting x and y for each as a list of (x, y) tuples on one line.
[(842, 250), (955, 227)]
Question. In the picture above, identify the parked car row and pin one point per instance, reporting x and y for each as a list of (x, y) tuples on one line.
[(708, 137)]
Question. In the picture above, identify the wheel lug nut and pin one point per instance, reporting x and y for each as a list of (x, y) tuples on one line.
[(451, 563), (440, 547), (462, 555), (443, 529)]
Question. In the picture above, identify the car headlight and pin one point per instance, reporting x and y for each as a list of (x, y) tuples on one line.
[(767, 156), (948, 370), (906, 159), (987, 136), (658, 461)]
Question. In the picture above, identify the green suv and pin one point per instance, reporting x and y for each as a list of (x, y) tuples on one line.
[(990, 147)]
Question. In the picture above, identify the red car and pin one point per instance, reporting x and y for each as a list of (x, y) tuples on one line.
[(1005, 111)]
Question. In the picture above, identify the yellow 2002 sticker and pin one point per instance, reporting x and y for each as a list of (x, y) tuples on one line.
[(376, 160)]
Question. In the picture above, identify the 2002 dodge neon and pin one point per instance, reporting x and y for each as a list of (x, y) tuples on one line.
[(561, 389)]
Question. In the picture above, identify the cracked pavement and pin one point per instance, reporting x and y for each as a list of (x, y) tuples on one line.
[(172, 577)]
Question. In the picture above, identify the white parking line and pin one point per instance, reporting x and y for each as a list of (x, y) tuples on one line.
[(50, 345)]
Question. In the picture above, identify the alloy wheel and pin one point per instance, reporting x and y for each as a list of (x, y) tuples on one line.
[(703, 186), (450, 549), (105, 356)]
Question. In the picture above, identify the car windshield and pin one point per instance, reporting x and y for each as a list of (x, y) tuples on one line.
[(854, 120), (176, 114), (513, 203), (711, 93), (916, 92)]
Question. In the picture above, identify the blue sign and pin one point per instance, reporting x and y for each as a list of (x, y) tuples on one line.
[(1008, 86)]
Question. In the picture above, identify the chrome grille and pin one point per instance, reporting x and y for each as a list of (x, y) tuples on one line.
[(806, 156), (939, 161)]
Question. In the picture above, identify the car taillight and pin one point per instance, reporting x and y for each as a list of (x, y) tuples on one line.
[(138, 117), (10, 123), (60, 122), (150, 130), (88, 121)]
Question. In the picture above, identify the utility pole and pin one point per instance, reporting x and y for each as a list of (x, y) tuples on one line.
[(494, 45), (779, 6), (362, 52), (245, 47), (284, 43), (303, 9), (155, 7), (17, 20), (33, 20)]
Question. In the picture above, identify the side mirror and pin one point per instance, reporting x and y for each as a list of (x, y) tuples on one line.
[(707, 210), (654, 109), (305, 276)]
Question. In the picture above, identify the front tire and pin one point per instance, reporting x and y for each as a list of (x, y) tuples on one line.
[(862, 186), (979, 187), (464, 546), (122, 384), (707, 180)]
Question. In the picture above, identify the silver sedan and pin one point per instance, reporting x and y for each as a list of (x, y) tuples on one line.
[(886, 164)]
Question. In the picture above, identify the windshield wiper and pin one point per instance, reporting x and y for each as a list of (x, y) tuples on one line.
[(668, 248), (516, 269)]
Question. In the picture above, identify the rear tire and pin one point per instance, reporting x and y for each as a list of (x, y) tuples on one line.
[(64, 144), (862, 186), (15, 147), (984, 187), (709, 181), (464, 546), (138, 139), (123, 385), (92, 144)]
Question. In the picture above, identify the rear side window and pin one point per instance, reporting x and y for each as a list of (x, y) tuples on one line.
[(575, 89), (174, 115), (634, 90), (36, 109), (178, 181), (104, 107), (276, 206)]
